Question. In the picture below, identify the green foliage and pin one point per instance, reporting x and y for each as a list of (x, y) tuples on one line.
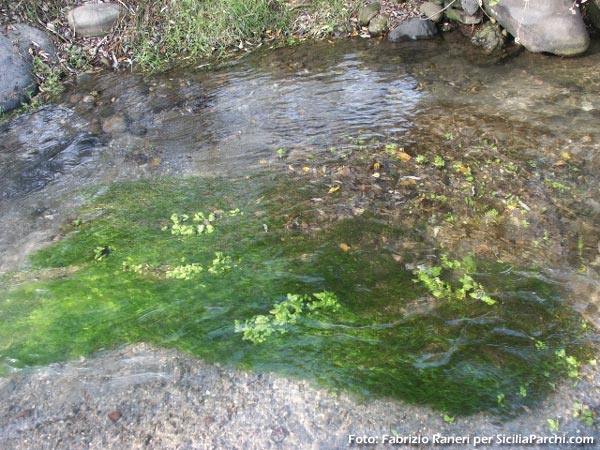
[(285, 313), (584, 413), (460, 284), (553, 425)]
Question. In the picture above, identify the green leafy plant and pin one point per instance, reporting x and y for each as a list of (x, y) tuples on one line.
[(461, 285), (285, 313), (584, 413), (553, 425), (439, 162)]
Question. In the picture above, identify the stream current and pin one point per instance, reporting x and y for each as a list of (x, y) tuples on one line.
[(408, 134)]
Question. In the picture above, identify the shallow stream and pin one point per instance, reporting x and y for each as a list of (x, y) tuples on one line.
[(412, 221)]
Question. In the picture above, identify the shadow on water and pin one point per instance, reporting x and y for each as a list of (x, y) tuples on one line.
[(410, 182)]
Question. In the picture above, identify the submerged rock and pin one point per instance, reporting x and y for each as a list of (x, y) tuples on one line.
[(413, 29), (553, 26), (94, 19)]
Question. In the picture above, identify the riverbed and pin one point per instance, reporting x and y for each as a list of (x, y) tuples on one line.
[(398, 225)]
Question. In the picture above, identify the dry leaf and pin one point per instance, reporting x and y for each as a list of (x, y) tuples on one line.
[(333, 189), (345, 247), (402, 156)]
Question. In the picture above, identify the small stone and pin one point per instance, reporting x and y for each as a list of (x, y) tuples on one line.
[(94, 19), (378, 25), (114, 416), (114, 124), (366, 13), (432, 11)]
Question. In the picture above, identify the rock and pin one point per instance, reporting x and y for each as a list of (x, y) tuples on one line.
[(94, 19), (470, 6), (114, 124), (594, 13), (489, 37), (23, 37), (543, 25), (461, 16), (366, 13), (432, 11), (16, 79), (413, 29), (378, 25)]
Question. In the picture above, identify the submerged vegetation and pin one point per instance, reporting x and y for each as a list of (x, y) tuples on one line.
[(264, 292)]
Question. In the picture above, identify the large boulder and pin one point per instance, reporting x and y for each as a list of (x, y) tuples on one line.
[(94, 19), (413, 29), (553, 26), (17, 83), (24, 37), (16, 79)]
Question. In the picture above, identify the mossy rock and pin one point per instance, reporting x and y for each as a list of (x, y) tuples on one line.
[(367, 13)]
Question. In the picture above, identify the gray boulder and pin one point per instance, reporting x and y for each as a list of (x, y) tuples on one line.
[(413, 29), (24, 37), (16, 79), (552, 26), (94, 19), (17, 82)]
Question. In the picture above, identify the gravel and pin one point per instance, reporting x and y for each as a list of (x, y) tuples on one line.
[(140, 397)]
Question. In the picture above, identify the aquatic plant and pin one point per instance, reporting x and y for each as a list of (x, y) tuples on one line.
[(285, 313), (461, 283)]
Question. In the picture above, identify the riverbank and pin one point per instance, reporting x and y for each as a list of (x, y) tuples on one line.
[(141, 397)]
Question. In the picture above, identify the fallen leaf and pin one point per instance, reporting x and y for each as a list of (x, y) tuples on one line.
[(565, 155), (306, 169), (345, 247), (333, 189), (376, 166), (376, 175), (408, 182), (402, 156)]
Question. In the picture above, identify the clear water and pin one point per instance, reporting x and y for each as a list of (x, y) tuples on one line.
[(329, 153)]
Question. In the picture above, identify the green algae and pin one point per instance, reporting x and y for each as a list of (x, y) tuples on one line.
[(387, 336)]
